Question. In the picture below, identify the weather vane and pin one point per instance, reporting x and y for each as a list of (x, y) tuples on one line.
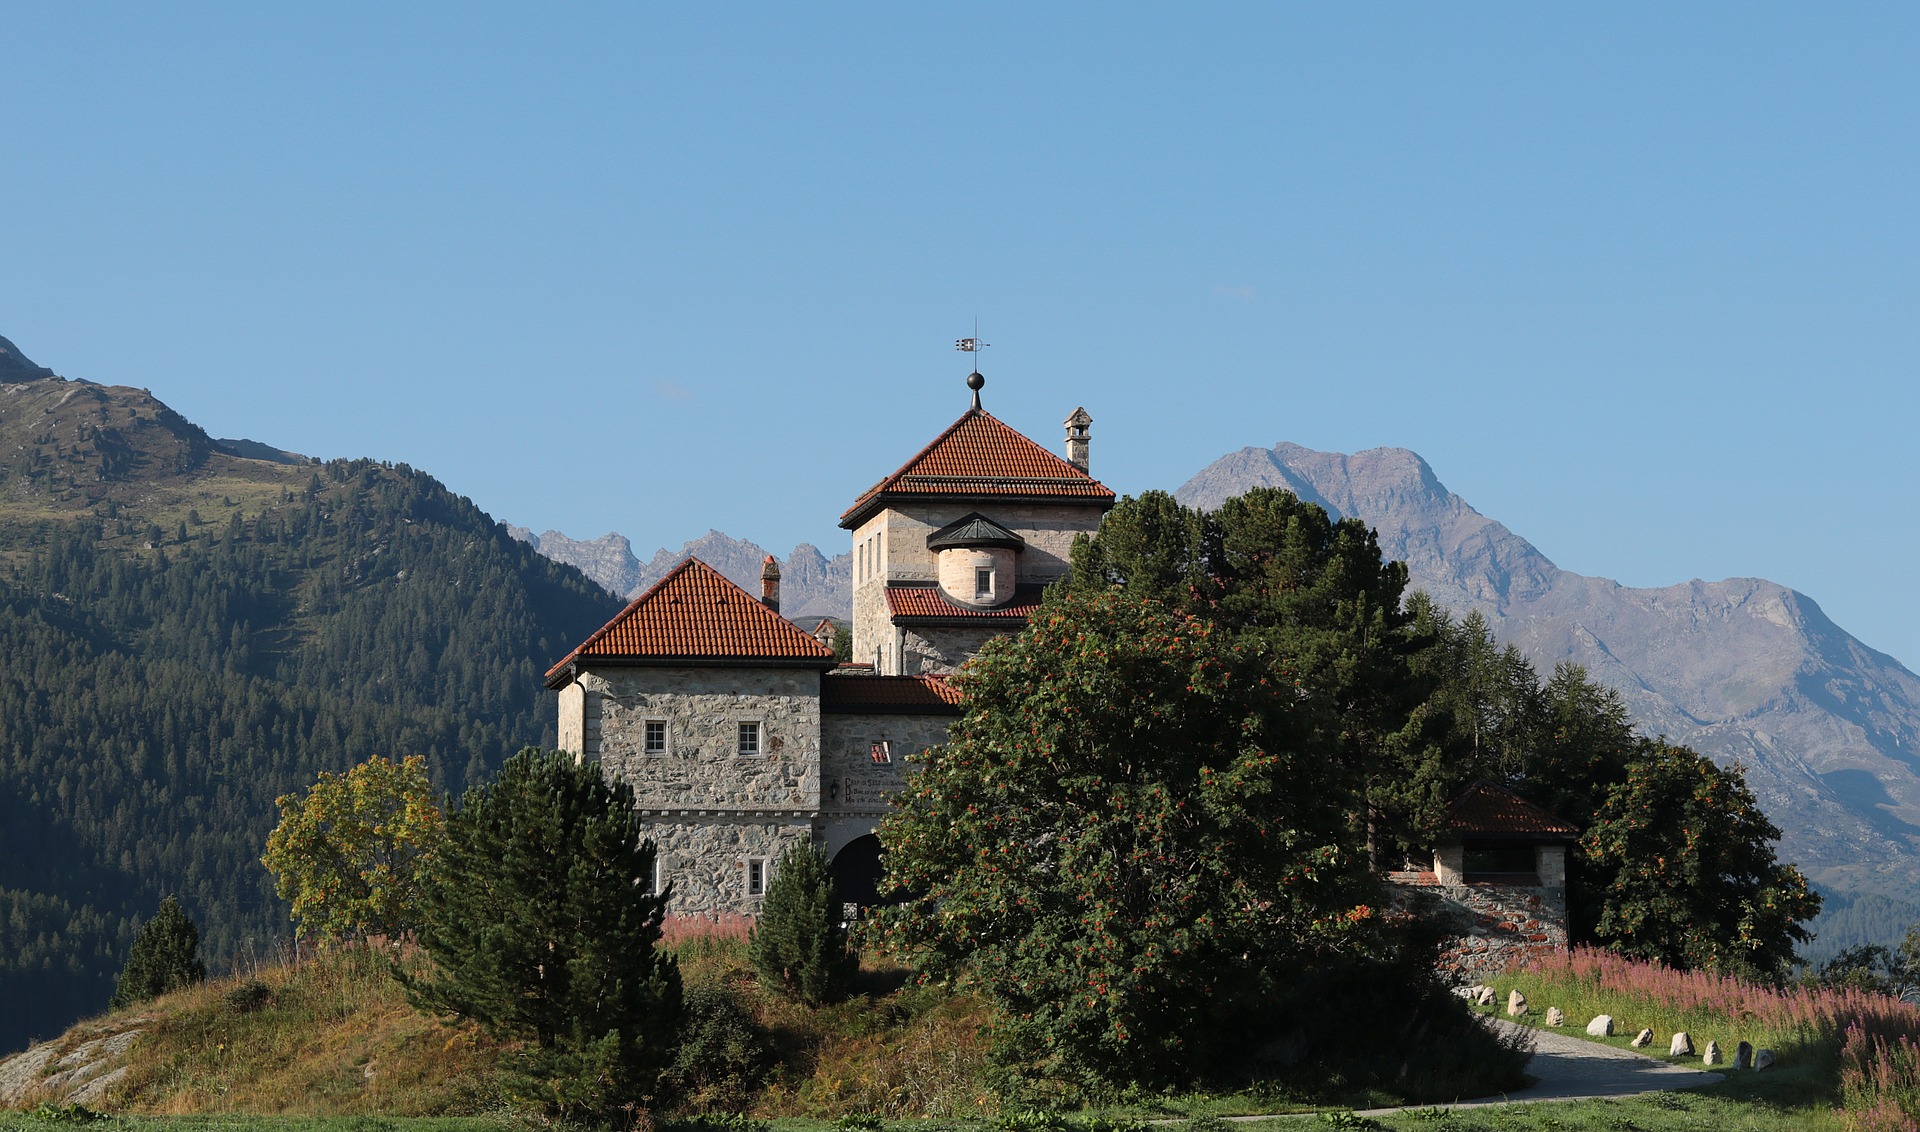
[(973, 346)]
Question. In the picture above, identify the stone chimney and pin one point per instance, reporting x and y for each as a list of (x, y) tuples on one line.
[(1078, 438), (770, 584)]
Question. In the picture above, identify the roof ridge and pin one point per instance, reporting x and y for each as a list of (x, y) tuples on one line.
[(764, 632), (1048, 472)]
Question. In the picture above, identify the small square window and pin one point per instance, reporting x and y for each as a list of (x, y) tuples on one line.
[(749, 742), (756, 876), (982, 583), (656, 737), (881, 751)]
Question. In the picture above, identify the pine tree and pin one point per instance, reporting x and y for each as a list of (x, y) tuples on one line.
[(164, 957), (799, 947), (543, 929)]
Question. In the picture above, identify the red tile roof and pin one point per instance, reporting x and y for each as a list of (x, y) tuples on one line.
[(1484, 809), (905, 602), (852, 695), (980, 456), (696, 614)]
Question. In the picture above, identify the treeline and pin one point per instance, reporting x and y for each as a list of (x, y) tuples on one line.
[(161, 687)]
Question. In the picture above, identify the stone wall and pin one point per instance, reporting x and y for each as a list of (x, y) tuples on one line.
[(855, 784), (702, 708), (1491, 926), (706, 858), (926, 649)]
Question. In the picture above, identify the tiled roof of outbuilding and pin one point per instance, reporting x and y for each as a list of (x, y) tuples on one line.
[(850, 695), (1484, 809), (696, 614), (928, 601), (980, 456)]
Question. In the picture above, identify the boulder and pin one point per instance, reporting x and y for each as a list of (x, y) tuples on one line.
[(1556, 1016), (1643, 1039), (1601, 1026), (1762, 1059), (1486, 996), (1516, 1004), (1680, 1046), (1712, 1056), (1743, 1055)]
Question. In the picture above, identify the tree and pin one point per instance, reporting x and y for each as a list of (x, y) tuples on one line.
[(1128, 843), (798, 945), (542, 923), (842, 643), (349, 853), (1683, 856), (1313, 594), (165, 957)]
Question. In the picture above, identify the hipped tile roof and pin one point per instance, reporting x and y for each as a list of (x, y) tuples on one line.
[(696, 614), (1485, 809), (850, 695), (929, 602), (980, 456)]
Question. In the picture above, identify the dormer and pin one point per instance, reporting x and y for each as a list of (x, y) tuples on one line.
[(979, 560)]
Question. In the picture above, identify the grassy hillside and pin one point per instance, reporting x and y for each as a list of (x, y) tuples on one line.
[(188, 634)]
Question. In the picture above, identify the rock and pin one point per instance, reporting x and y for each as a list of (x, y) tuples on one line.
[(1712, 1056), (1486, 997), (1516, 1004), (1680, 1046), (1601, 1026), (1643, 1039), (1471, 994), (1763, 1060), (1556, 1016), (1743, 1055)]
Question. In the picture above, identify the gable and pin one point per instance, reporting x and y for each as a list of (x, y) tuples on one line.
[(978, 456), (691, 616)]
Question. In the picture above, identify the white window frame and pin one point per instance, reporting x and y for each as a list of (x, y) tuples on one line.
[(983, 574), (759, 738), (756, 875), (880, 752), (646, 739)]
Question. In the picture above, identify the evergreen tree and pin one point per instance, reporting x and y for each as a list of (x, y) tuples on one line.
[(798, 945), (165, 957), (542, 924)]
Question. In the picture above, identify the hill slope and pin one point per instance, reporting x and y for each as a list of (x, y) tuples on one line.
[(1743, 670), (188, 633)]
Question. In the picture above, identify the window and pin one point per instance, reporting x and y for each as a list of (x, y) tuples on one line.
[(655, 742), (1513, 864), (982, 585), (749, 742), (653, 882), (756, 876), (881, 751)]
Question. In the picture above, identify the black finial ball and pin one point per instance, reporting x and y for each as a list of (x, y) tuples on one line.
[(975, 381)]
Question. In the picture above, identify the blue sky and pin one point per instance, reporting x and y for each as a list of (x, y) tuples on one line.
[(1641, 281)]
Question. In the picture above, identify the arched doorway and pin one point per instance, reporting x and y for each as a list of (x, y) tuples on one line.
[(856, 871)]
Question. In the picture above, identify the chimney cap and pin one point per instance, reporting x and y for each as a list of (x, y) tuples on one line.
[(770, 568)]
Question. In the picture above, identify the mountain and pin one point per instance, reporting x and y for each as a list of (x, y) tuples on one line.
[(191, 627), (811, 584), (1743, 670), (14, 365)]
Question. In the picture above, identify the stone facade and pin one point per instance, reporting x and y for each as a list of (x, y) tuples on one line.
[(709, 857), (1492, 923), (939, 650)]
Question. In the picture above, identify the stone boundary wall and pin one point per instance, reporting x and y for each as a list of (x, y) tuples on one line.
[(1491, 926)]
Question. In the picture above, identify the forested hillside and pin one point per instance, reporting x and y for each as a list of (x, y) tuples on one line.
[(186, 634)]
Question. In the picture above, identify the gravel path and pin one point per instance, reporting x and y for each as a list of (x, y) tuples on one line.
[(1570, 1068)]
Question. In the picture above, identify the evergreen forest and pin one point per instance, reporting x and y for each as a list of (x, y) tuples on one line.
[(186, 635)]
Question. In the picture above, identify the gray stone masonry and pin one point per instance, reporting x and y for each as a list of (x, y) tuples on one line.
[(702, 709), (1491, 925), (708, 859), (855, 784), (926, 649)]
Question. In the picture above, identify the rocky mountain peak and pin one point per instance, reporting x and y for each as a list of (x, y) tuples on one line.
[(15, 366)]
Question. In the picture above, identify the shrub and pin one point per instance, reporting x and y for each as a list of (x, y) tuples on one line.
[(798, 946), (165, 957), (724, 1054)]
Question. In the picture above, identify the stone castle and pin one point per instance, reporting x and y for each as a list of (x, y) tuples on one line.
[(742, 736), (739, 732)]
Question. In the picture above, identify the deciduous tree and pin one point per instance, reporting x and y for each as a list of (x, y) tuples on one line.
[(349, 853)]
